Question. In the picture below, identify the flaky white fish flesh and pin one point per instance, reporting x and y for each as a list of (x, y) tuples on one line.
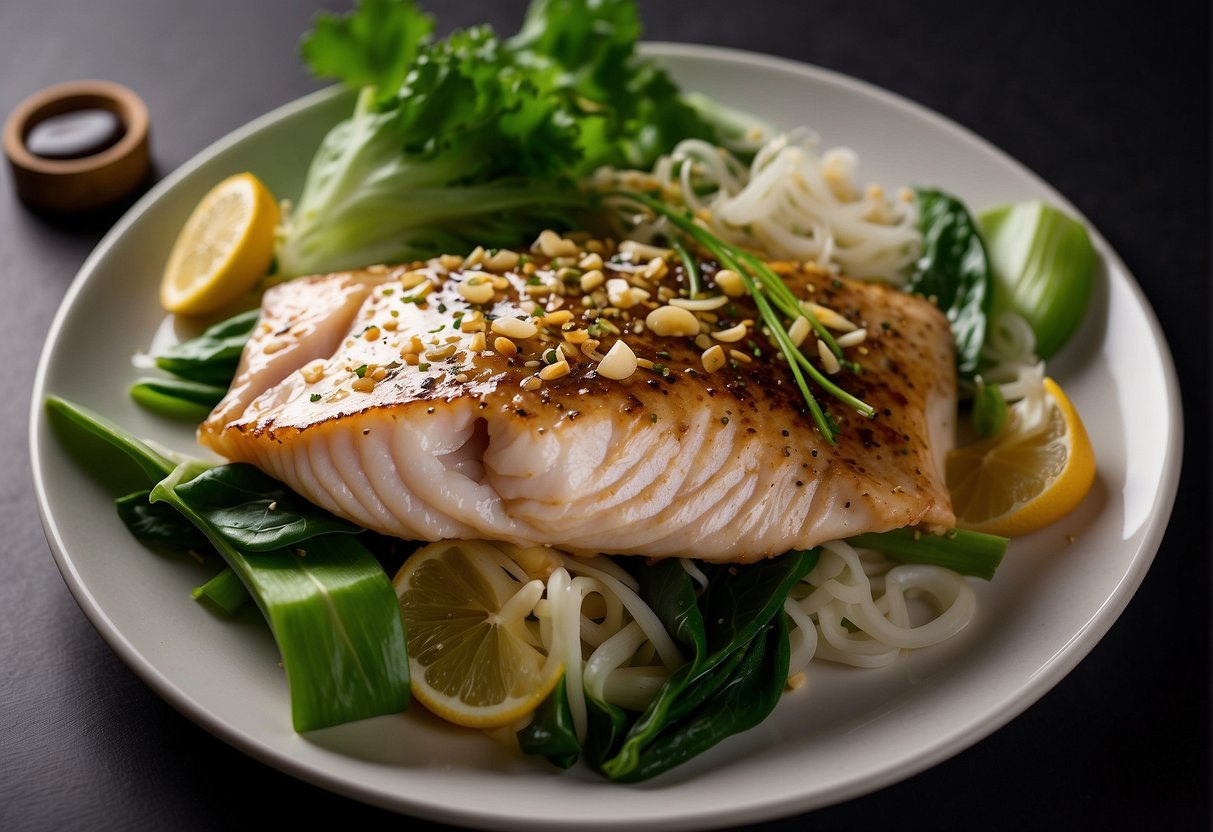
[(377, 395)]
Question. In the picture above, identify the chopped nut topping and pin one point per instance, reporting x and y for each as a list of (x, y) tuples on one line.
[(672, 321), (829, 361), (730, 283), (552, 244), (502, 261), (554, 371), (731, 335), (313, 371), (619, 362), (515, 328)]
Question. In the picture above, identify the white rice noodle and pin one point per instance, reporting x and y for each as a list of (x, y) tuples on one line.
[(1009, 356), (791, 203), (613, 639), (561, 633), (623, 654), (606, 663), (876, 607), (637, 608), (695, 572)]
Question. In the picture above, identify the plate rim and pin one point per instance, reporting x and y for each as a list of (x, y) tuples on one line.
[(1045, 678)]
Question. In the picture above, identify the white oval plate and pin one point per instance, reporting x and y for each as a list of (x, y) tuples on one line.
[(846, 732)]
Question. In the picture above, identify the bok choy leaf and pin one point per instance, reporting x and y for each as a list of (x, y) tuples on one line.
[(329, 604), (954, 270), (1044, 268), (706, 699)]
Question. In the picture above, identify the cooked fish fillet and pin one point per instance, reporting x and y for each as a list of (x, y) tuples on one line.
[(385, 396)]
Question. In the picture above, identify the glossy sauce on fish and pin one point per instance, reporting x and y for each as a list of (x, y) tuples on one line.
[(399, 399)]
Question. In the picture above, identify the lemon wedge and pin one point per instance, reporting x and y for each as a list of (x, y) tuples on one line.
[(472, 658), (226, 246), (1029, 475)]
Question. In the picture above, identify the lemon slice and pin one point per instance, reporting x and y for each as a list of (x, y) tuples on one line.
[(227, 244), (1026, 477), (472, 659)]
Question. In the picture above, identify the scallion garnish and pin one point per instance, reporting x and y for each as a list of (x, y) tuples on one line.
[(772, 297), (689, 266)]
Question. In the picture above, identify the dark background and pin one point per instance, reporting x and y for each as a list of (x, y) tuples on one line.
[(1108, 102)]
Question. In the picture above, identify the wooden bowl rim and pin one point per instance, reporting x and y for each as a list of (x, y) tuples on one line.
[(58, 99)]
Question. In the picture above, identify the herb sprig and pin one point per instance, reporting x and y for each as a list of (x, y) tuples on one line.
[(772, 297)]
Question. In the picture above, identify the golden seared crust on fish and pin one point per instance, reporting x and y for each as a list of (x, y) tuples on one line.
[(470, 399)]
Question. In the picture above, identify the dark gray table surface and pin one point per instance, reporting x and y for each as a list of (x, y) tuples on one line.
[(1108, 102)]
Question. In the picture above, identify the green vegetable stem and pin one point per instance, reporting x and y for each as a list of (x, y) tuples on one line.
[(1044, 268), (331, 608)]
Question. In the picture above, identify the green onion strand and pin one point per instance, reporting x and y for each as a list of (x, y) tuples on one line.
[(688, 265), (772, 297)]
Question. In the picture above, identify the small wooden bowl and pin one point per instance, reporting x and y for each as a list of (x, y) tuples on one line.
[(75, 185)]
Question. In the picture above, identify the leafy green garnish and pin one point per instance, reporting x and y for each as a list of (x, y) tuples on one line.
[(255, 511), (989, 409), (176, 398), (226, 591), (332, 611), (955, 271), (374, 46), (211, 358), (720, 627), (482, 140), (158, 524), (550, 732), (331, 608)]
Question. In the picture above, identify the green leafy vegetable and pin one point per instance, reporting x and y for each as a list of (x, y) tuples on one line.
[(255, 511), (967, 553), (332, 611), (955, 270), (153, 464), (732, 612), (226, 591), (211, 358), (628, 111), (742, 700), (159, 524), (550, 732), (374, 46), (177, 398), (1044, 268), (331, 608), (483, 140)]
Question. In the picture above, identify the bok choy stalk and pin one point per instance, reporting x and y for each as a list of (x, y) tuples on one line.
[(964, 552), (225, 591), (1044, 268), (331, 608), (473, 140)]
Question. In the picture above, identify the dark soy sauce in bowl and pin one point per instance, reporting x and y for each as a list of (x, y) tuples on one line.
[(75, 134)]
